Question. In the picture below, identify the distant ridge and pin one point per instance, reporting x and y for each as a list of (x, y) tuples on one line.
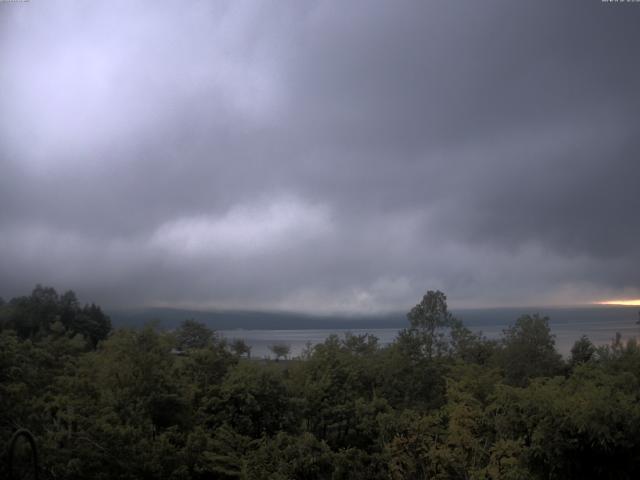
[(252, 320), (170, 318)]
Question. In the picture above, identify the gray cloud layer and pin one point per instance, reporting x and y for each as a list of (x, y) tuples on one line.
[(320, 156)]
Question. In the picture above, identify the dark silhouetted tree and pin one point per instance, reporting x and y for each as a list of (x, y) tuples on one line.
[(240, 347), (193, 334), (582, 351), (429, 334), (280, 350), (528, 350)]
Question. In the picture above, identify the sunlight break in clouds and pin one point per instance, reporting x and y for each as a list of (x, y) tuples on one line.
[(626, 303)]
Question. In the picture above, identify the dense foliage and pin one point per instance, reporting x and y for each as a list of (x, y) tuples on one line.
[(438, 403)]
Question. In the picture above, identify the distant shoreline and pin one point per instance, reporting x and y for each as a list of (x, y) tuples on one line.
[(255, 320)]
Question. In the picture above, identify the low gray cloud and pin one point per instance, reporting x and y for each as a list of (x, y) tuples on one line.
[(320, 156)]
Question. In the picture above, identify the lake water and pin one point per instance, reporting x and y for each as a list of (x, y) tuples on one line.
[(568, 325)]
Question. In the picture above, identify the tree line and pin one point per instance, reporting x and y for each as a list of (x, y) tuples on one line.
[(440, 402)]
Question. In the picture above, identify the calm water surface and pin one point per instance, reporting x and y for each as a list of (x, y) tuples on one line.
[(566, 331)]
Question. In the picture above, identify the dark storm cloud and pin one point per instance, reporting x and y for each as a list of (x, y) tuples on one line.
[(320, 156)]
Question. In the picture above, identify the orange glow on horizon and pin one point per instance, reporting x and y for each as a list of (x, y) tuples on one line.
[(627, 303)]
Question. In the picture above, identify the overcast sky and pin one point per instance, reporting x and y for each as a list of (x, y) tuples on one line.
[(321, 156)]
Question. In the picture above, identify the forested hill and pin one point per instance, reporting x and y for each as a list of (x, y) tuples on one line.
[(245, 319)]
